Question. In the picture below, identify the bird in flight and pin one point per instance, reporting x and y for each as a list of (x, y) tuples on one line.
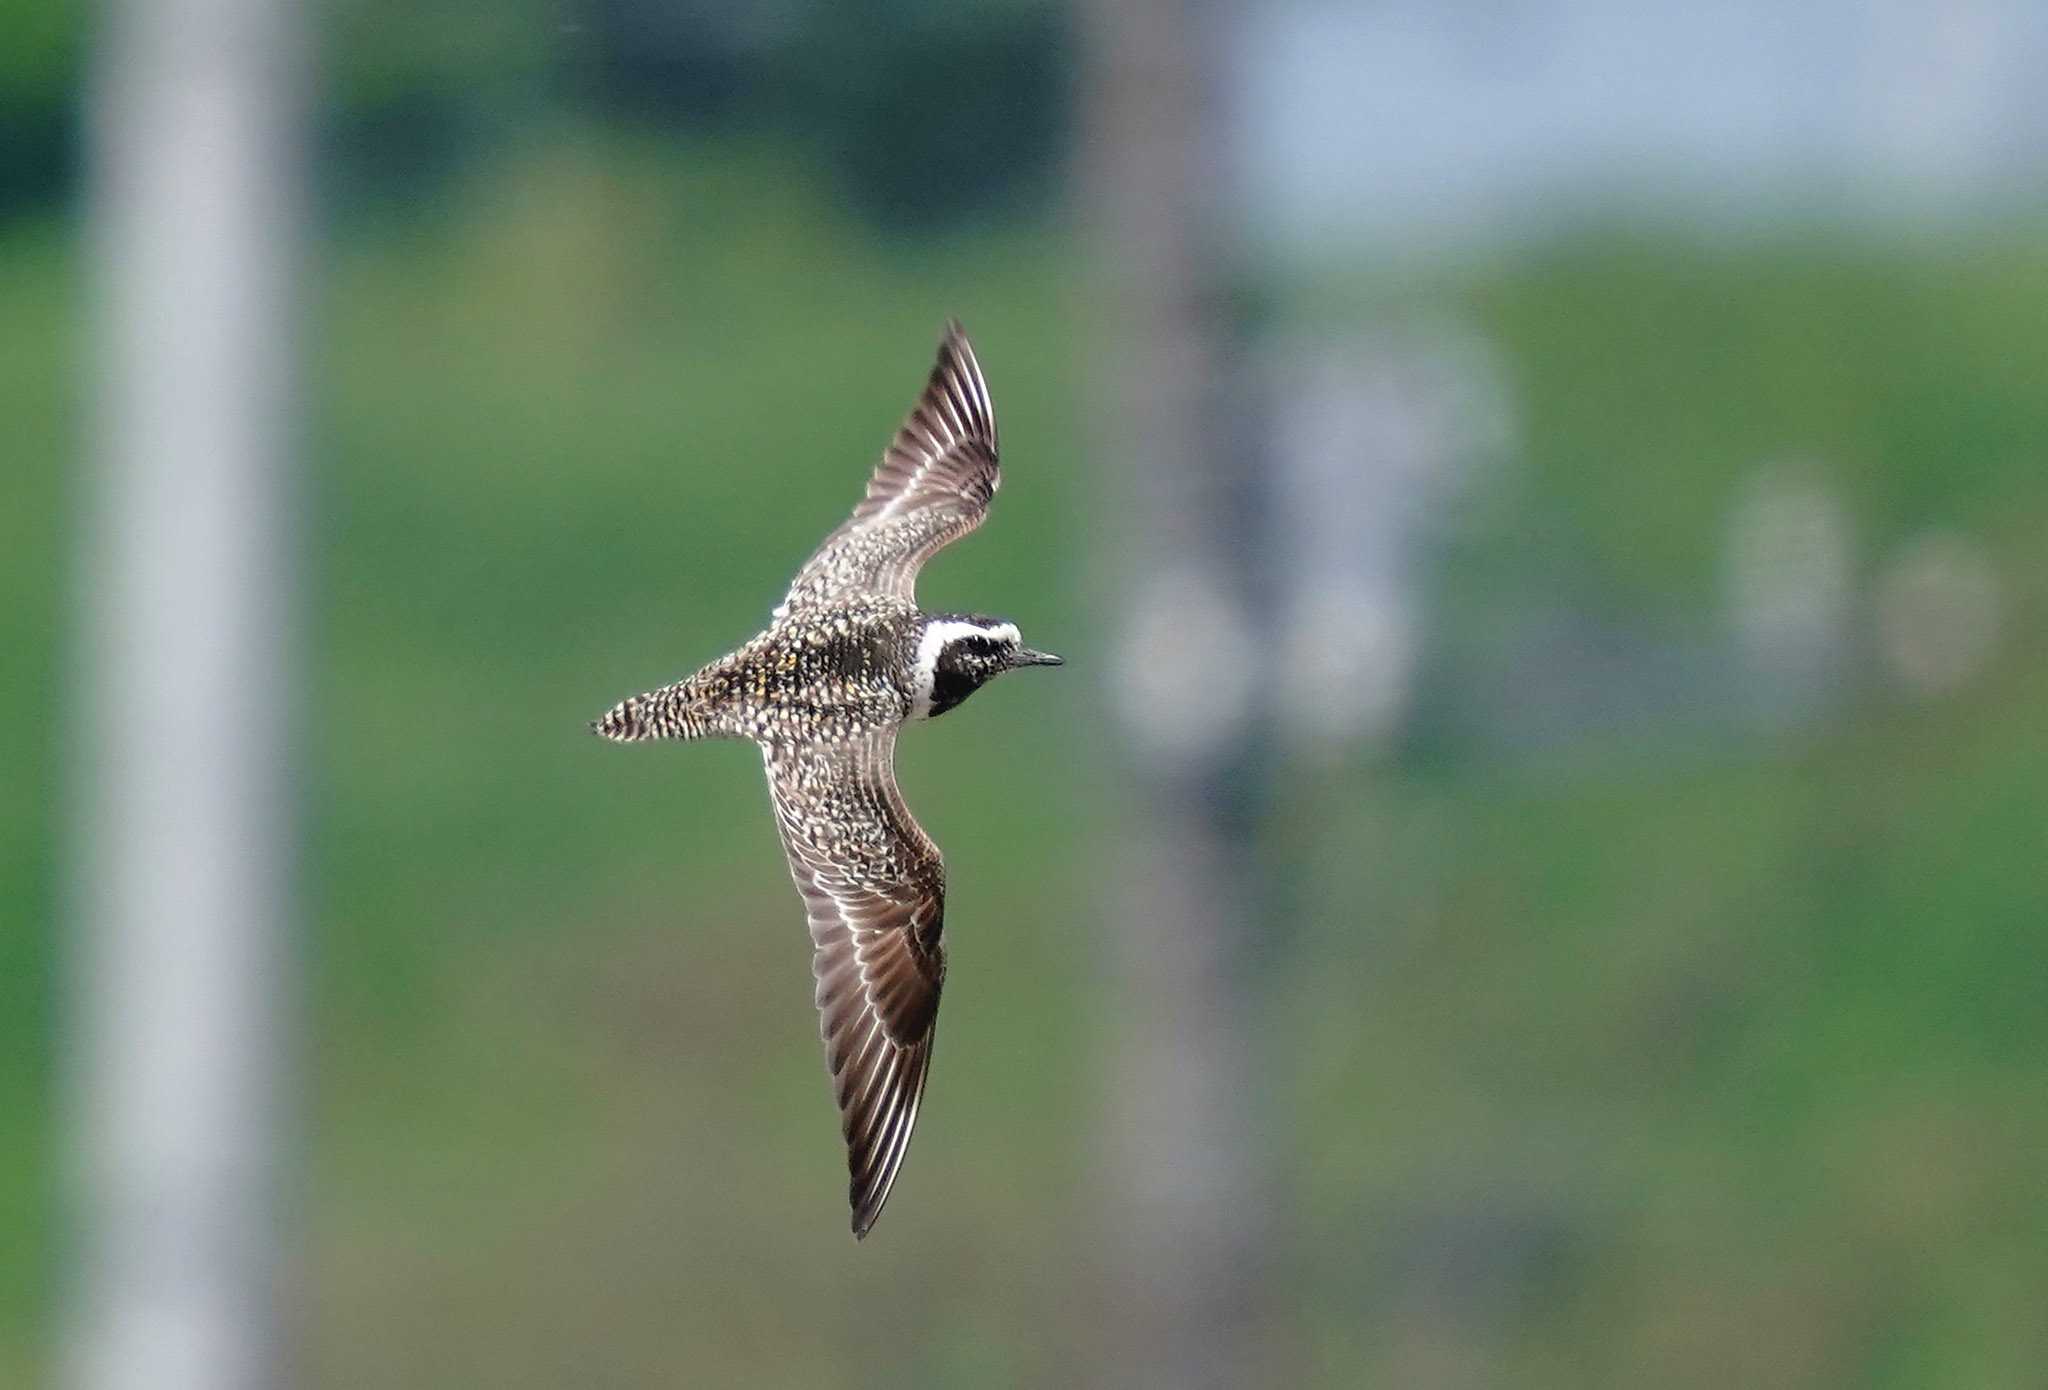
[(847, 659)]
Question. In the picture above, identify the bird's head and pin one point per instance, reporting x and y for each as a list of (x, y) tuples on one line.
[(958, 652)]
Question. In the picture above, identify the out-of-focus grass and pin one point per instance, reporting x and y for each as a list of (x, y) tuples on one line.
[(581, 433), (1651, 389), (1696, 1064), (1678, 1057), (38, 346), (1651, 378), (1724, 1074)]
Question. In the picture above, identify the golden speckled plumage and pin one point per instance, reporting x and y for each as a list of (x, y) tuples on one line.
[(847, 660)]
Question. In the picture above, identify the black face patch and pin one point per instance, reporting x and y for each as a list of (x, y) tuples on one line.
[(949, 688), (963, 665)]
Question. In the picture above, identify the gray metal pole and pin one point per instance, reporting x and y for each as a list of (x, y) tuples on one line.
[(1189, 1202), (184, 837)]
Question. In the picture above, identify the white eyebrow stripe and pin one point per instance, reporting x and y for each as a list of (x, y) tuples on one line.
[(933, 642)]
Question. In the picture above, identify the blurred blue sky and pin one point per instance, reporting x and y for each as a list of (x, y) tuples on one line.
[(1419, 126)]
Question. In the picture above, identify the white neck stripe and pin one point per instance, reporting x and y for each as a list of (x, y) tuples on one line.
[(934, 641)]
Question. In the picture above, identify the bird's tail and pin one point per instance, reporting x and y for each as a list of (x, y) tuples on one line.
[(674, 711)]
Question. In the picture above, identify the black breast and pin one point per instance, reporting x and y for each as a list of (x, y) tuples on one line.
[(949, 688)]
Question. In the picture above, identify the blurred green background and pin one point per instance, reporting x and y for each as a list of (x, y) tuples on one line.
[(1664, 1046)]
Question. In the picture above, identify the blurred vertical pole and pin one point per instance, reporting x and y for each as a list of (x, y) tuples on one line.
[(182, 967), (1188, 1202)]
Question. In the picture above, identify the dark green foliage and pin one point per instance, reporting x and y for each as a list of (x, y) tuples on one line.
[(40, 69), (924, 115), (1672, 1057)]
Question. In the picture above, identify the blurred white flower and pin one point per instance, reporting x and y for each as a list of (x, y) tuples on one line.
[(1376, 433), (1938, 605), (1188, 659), (1786, 579), (1348, 660)]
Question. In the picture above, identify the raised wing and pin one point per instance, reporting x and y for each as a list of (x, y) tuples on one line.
[(874, 889), (932, 487)]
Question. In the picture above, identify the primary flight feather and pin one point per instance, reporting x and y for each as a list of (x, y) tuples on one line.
[(847, 659)]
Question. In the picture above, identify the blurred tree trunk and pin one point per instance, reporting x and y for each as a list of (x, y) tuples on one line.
[(181, 966), (1188, 1196)]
